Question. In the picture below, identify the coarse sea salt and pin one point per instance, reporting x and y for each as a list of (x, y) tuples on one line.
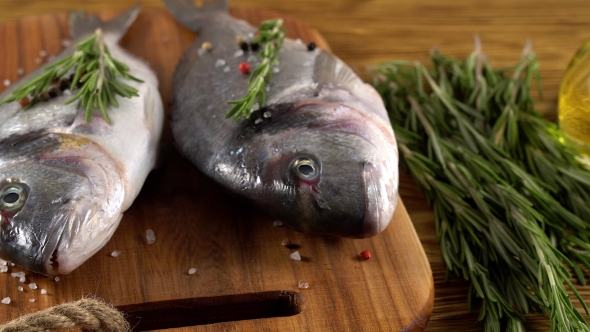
[(238, 53), (20, 288), (56, 279), (6, 82), (116, 253), (31, 300), (295, 256), (3, 268), (226, 69), (303, 284), (3, 262), (6, 300), (192, 270), (43, 291), (219, 63), (150, 236), (276, 223), (33, 285), (43, 53)]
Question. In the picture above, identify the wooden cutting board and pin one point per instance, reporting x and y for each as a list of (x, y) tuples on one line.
[(245, 279)]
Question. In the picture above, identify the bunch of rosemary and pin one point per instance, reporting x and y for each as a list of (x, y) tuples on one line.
[(510, 200)]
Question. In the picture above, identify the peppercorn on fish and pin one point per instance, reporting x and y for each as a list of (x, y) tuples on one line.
[(320, 155), (65, 183)]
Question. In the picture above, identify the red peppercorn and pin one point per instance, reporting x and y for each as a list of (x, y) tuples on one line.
[(244, 67), (366, 254), (24, 102)]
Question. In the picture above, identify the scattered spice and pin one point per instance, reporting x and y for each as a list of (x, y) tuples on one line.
[(311, 46), (244, 67), (192, 270), (303, 284), (366, 254), (207, 46), (24, 102), (295, 256), (244, 46), (239, 39)]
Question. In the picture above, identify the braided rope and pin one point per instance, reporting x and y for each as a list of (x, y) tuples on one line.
[(85, 314)]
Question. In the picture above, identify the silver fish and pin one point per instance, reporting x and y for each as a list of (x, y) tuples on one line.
[(320, 156), (65, 183)]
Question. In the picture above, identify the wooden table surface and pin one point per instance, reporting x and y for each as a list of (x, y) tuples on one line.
[(367, 32)]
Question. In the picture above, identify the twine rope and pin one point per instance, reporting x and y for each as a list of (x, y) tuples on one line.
[(87, 314)]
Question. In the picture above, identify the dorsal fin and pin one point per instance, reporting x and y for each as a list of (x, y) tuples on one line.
[(331, 70), (191, 16), (82, 24)]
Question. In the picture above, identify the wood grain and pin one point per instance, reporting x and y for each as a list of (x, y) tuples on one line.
[(243, 270)]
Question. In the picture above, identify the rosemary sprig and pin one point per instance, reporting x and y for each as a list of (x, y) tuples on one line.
[(507, 194), (270, 35), (95, 72)]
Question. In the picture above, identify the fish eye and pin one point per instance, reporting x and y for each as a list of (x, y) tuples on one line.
[(13, 196), (305, 168)]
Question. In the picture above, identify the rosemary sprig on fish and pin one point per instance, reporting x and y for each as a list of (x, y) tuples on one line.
[(95, 72), (270, 35)]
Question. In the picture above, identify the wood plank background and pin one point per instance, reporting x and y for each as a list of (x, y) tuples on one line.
[(370, 31)]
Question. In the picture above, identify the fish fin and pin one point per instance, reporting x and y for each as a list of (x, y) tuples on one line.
[(82, 24), (191, 16), (331, 70)]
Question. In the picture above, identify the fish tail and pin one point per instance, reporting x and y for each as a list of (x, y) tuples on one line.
[(191, 16), (82, 24)]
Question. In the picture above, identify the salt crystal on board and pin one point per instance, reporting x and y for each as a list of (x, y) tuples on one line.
[(6, 82), (3, 262), (219, 63), (3, 268), (21, 279), (20, 71), (295, 256), (116, 253), (192, 270), (277, 223), (31, 300), (56, 279), (43, 53), (43, 291), (303, 284), (33, 285), (6, 300), (20, 288), (258, 121), (238, 53), (267, 115), (11, 264), (150, 236)]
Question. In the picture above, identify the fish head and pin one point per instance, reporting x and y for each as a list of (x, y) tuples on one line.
[(58, 201), (330, 169)]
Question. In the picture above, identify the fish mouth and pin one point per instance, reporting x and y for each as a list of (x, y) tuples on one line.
[(379, 203)]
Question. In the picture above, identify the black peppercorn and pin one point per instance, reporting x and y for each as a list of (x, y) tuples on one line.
[(244, 46), (43, 96), (64, 83), (53, 91), (254, 46), (311, 46)]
